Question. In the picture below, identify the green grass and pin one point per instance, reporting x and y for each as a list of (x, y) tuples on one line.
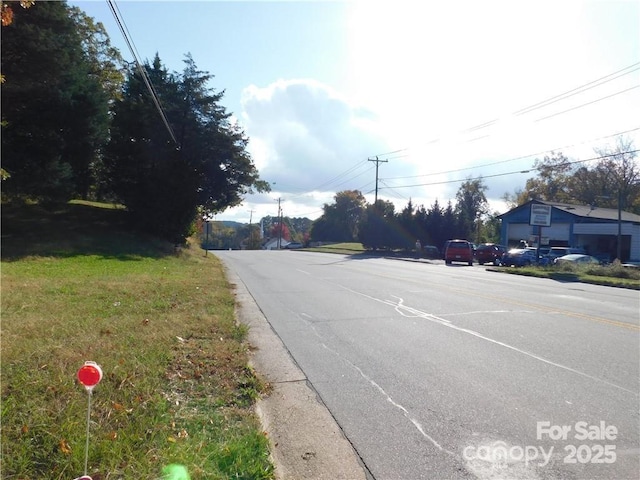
[(613, 275), (77, 286), (341, 248)]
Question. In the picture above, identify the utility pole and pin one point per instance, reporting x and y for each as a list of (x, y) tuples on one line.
[(279, 224), (378, 162), (619, 246), (251, 240)]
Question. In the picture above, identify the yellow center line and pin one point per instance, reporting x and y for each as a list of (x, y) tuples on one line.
[(542, 308)]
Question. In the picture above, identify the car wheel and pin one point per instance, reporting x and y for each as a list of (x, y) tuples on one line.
[(471, 264)]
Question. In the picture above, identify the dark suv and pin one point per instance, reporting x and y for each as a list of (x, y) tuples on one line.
[(490, 253), (458, 251)]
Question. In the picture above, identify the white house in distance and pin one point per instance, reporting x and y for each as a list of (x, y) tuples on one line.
[(272, 243), (595, 229)]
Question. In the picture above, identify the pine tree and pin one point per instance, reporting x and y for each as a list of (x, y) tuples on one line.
[(166, 173), (54, 113)]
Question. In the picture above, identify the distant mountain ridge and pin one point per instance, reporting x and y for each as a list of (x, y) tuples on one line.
[(231, 223)]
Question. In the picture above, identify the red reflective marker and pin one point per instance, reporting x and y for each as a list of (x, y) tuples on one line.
[(90, 375)]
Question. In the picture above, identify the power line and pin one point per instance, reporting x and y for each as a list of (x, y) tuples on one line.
[(390, 153), (556, 98), (388, 187), (145, 78), (587, 86), (514, 159), (580, 89), (513, 173), (353, 178), (395, 193), (352, 169), (588, 103), (340, 175)]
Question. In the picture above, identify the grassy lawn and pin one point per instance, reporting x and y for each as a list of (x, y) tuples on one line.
[(341, 248), (176, 387)]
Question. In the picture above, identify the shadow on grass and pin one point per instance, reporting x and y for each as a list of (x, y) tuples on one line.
[(564, 277), (74, 230)]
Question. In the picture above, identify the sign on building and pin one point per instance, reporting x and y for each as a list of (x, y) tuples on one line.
[(540, 215)]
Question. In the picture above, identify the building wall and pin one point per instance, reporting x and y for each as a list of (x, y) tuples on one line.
[(556, 234), (596, 236), (594, 233)]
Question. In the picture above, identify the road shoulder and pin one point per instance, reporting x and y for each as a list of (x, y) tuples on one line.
[(306, 442)]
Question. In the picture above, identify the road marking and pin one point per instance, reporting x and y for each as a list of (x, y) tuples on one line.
[(543, 308), (447, 323), (410, 312), (404, 411)]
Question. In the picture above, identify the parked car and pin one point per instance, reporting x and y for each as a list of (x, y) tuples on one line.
[(458, 251), (490, 253), (577, 258), (520, 257), (431, 251), (556, 252), (293, 245)]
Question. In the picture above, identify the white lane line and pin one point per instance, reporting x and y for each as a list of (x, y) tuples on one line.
[(400, 308), (410, 312), (404, 411)]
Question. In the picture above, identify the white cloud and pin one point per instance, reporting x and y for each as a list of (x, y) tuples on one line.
[(444, 83), (305, 139)]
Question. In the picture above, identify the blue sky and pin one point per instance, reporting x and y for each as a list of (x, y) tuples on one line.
[(435, 88)]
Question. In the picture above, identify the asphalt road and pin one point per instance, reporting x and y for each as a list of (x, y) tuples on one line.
[(442, 372)]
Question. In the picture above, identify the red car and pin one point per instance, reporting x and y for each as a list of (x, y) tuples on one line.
[(458, 251), (490, 253)]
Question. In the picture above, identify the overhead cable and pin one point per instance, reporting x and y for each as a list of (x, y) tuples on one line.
[(145, 78), (513, 159), (515, 172), (556, 98), (582, 88), (588, 103)]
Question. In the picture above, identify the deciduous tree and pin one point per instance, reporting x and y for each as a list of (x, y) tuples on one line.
[(471, 205), (340, 220)]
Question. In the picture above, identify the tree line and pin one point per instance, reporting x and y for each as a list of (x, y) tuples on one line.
[(79, 122), (610, 180), (220, 235), (379, 226)]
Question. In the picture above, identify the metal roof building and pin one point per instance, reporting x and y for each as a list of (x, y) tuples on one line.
[(598, 230)]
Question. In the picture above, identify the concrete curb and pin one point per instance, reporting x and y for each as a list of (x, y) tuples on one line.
[(306, 442)]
